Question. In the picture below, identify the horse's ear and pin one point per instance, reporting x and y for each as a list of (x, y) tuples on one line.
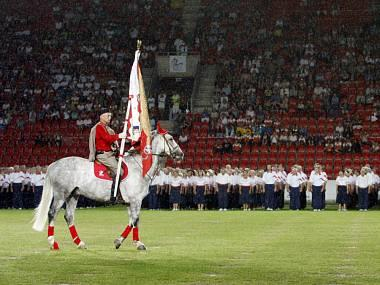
[(160, 130)]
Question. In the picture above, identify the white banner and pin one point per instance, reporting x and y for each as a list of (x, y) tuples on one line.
[(177, 63), (134, 94)]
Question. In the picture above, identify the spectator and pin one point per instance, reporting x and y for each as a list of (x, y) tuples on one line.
[(183, 138)]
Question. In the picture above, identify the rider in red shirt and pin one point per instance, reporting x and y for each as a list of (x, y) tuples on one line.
[(102, 137)]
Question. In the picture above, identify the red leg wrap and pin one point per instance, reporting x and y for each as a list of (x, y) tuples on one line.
[(73, 232), (74, 235), (55, 246), (77, 240), (136, 234), (126, 231), (50, 231)]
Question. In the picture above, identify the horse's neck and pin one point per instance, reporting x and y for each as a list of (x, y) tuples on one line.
[(155, 165), (154, 168), (156, 159)]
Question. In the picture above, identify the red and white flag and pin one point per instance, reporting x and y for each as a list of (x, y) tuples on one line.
[(138, 122)]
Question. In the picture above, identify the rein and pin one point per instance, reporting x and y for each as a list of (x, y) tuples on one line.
[(171, 149), (162, 154)]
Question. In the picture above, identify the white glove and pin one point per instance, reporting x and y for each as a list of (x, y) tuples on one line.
[(122, 136)]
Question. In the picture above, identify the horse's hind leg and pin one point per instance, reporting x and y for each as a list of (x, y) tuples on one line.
[(53, 212), (71, 204), (134, 214)]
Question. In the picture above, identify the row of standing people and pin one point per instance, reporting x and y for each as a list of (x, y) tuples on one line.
[(21, 188), (229, 188), (250, 189)]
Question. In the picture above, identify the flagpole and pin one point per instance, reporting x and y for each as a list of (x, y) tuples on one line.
[(122, 145)]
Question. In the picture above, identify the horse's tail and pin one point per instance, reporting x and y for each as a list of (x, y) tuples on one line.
[(41, 212)]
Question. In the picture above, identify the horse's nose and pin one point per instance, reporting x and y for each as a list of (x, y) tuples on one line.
[(179, 155)]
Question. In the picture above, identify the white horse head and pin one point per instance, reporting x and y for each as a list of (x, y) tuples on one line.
[(165, 145)]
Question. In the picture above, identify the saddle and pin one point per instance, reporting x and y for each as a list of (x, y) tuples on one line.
[(102, 172)]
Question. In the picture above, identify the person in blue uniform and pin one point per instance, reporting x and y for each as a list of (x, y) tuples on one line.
[(209, 196), (175, 183), (253, 181), (303, 187), (281, 176), (269, 178), (351, 187), (293, 183), (222, 185), (317, 186), (363, 184), (260, 188), (341, 191), (17, 179), (188, 195), (199, 189), (324, 174), (153, 192), (163, 197), (245, 189)]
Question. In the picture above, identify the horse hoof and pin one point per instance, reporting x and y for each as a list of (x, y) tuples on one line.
[(140, 246), (82, 245), (117, 243)]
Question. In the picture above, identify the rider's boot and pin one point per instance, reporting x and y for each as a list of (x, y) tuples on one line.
[(113, 197)]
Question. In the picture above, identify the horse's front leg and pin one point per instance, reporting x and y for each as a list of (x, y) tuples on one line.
[(134, 214)]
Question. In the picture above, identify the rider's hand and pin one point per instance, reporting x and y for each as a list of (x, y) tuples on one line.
[(122, 136)]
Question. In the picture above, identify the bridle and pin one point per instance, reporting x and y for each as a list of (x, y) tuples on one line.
[(172, 151)]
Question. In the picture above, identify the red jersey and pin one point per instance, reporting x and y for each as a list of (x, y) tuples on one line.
[(104, 140)]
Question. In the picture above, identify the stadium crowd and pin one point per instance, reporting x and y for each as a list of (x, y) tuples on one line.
[(277, 66), (71, 62), (269, 132), (227, 188)]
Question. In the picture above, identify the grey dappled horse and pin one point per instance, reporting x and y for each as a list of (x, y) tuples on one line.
[(69, 177)]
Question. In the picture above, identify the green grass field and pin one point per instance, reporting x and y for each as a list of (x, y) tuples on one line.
[(190, 247)]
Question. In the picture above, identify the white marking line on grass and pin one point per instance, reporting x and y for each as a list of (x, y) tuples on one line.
[(345, 267), (10, 257), (342, 275), (351, 250), (236, 260), (210, 274), (87, 274)]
